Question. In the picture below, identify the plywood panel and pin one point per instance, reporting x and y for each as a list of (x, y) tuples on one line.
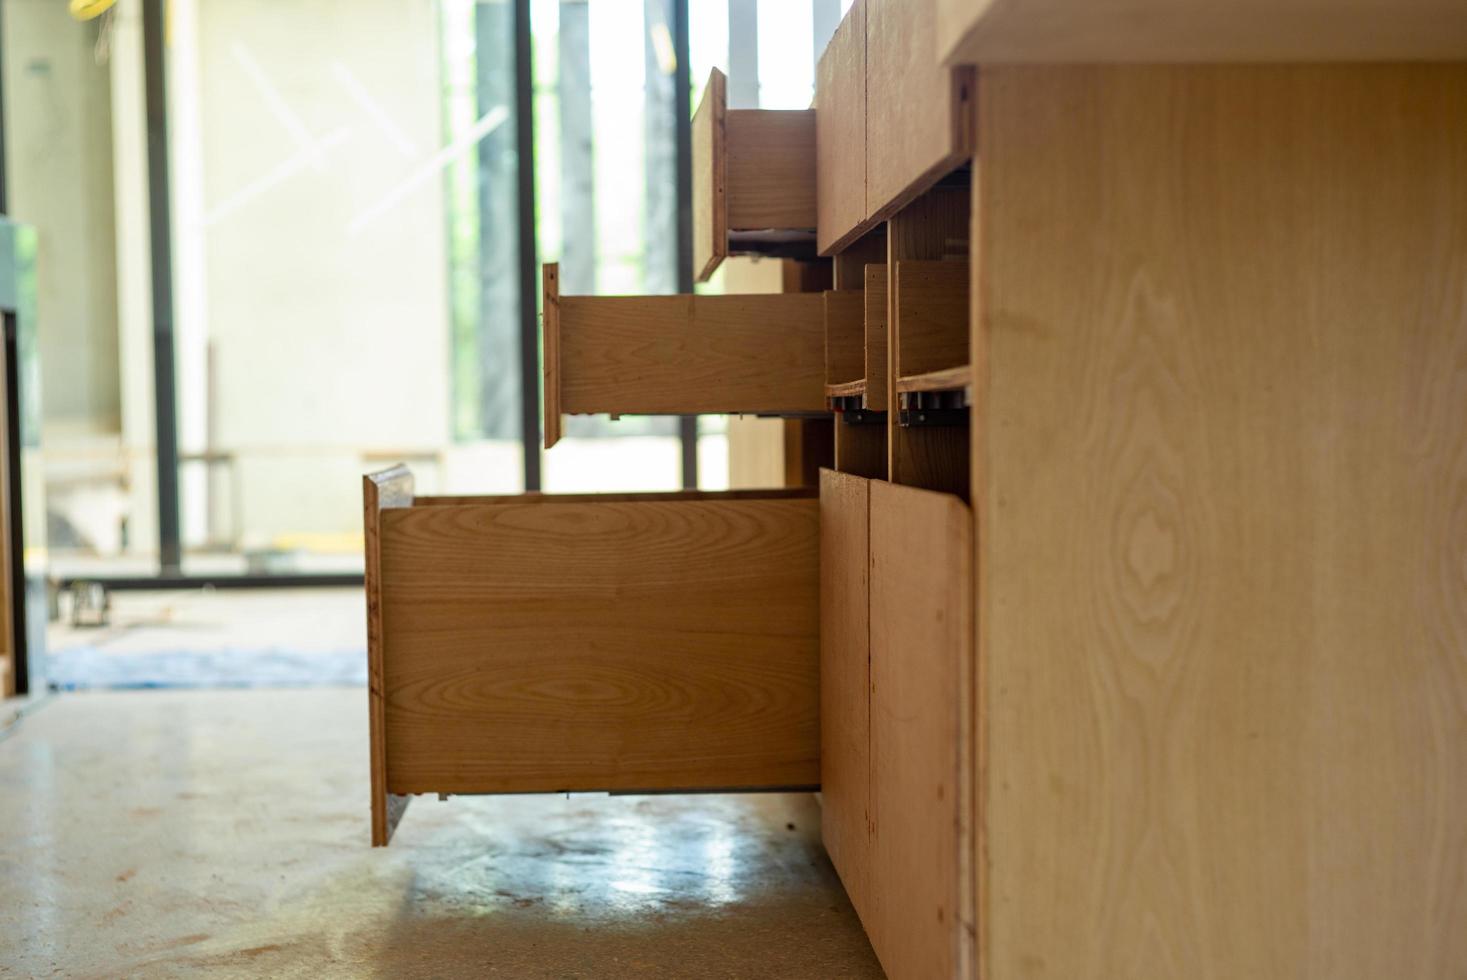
[(710, 178), (546, 646), (921, 732), (934, 227), (683, 354), (876, 338), (931, 325), (845, 337), (918, 112), (840, 134), (1086, 31), (1222, 509), (770, 169), (389, 488), (845, 682)]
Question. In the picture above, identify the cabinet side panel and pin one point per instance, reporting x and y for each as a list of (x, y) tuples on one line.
[(1223, 520)]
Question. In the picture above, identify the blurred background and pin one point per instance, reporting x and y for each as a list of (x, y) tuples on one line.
[(338, 211)]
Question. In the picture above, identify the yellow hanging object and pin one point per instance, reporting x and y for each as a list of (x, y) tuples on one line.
[(89, 9)]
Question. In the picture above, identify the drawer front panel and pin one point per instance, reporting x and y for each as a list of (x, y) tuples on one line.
[(845, 682), (543, 646), (921, 732)]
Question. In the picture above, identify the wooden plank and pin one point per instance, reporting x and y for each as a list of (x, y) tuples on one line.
[(933, 227), (550, 326), (918, 112), (549, 646), (949, 379), (661, 355), (770, 169), (840, 135), (845, 683), (921, 732), (876, 337), (792, 493), (845, 336), (710, 178), (931, 317), (391, 488), (1222, 453), (1246, 31), (849, 389)]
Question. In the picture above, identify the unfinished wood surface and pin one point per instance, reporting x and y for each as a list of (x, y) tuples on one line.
[(668, 355), (543, 645), (845, 337), (931, 317), (933, 227), (876, 338), (710, 178), (850, 389), (770, 169), (949, 379), (550, 344), (860, 449), (1086, 31), (921, 732), (389, 488), (840, 134), (919, 120), (845, 683), (1222, 521)]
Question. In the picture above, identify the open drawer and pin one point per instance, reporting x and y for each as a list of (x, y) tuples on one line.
[(681, 355), (601, 642), (753, 180)]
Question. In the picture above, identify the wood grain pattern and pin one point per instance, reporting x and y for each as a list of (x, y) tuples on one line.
[(948, 379), (389, 488), (876, 337), (845, 337), (933, 227), (845, 683), (840, 135), (918, 112), (770, 169), (661, 355), (1086, 31), (543, 646), (550, 344), (1222, 453), (710, 178), (930, 326), (921, 732)]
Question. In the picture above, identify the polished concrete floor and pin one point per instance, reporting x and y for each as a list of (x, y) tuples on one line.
[(171, 833)]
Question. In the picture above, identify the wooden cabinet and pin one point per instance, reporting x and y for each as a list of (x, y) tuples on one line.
[(670, 355), (1176, 31), (897, 690), (840, 134), (890, 120), (919, 118), (753, 180), (542, 643)]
